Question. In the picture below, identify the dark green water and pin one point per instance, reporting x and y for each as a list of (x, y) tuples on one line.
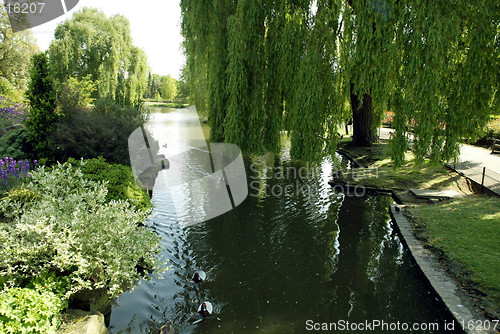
[(294, 251)]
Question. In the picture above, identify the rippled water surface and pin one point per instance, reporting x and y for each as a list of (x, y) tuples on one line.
[(293, 251)]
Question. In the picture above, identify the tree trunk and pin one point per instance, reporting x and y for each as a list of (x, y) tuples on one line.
[(362, 119)]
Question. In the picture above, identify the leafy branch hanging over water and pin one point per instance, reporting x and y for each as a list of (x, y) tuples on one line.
[(269, 66)]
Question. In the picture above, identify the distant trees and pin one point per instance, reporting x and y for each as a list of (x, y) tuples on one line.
[(169, 88), (153, 90), (264, 66), (16, 50), (161, 87), (90, 44)]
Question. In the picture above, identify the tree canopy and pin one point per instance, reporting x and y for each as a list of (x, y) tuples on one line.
[(261, 67), (16, 50), (42, 99), (90, 44), (168, 88)]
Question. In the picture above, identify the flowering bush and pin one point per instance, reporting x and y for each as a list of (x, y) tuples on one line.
[(12, 113), (388, 118), (72, 229), (12, 171)]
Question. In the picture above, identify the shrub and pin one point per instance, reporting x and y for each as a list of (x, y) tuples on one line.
[(42, 99), (14, 144), (24, 310), (76, 92), (103, 131), (388, 118), (493, 128), (121, 182), (71, 229)]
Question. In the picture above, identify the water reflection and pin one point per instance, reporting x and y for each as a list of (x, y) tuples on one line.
[(279, 259)]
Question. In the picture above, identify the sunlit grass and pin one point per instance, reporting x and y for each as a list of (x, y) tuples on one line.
[(467, 230), (382, 174)]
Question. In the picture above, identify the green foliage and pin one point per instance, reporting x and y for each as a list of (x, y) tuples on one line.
[(24, 310), (89, 133), (196, 34), (492, 129), (239, 77), (72, 229), (154, 86), (9, 91), (264, 67), (162, 87), (183, 87), (14, 144), (16, 50), (21, 195), (315, 116), (90, 44), (448, 74), (42, 99), (119, 178), (168, 88), (77, 93)]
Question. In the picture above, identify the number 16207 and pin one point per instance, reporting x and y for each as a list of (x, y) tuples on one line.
[(25, 8)]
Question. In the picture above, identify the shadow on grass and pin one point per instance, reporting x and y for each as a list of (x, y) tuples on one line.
[(377, 159)]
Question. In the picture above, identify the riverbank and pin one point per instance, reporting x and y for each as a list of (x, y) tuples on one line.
[(87, 210), (461, 232), (464, 234), (378, 171)]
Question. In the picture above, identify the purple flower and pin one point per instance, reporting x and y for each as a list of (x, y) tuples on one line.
[(12, 171), (12, 113)]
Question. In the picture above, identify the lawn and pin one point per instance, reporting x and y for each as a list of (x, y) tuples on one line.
[(380, 171), (165, 104), (466, 232)]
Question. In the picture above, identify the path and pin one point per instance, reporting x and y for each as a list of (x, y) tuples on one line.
[(471, 162)]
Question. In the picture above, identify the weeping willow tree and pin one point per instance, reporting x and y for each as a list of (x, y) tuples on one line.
[(448, 74), (316, 103), (90, 44), (266, 66)]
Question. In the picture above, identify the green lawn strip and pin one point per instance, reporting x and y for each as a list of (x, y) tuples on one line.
[(165, 104), (381, 172), (467, 230)]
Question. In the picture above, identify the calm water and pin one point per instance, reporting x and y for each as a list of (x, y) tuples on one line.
[(293, 251)]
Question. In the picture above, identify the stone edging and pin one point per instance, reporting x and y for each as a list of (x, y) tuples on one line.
[(444, 286)]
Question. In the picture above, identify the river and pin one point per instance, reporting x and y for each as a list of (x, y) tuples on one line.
[(295, 254)]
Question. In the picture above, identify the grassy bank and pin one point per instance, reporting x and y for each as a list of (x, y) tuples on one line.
[(166, 104), (464, 232), (380, 171)]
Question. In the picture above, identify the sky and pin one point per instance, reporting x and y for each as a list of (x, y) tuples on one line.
[(154, 24)]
